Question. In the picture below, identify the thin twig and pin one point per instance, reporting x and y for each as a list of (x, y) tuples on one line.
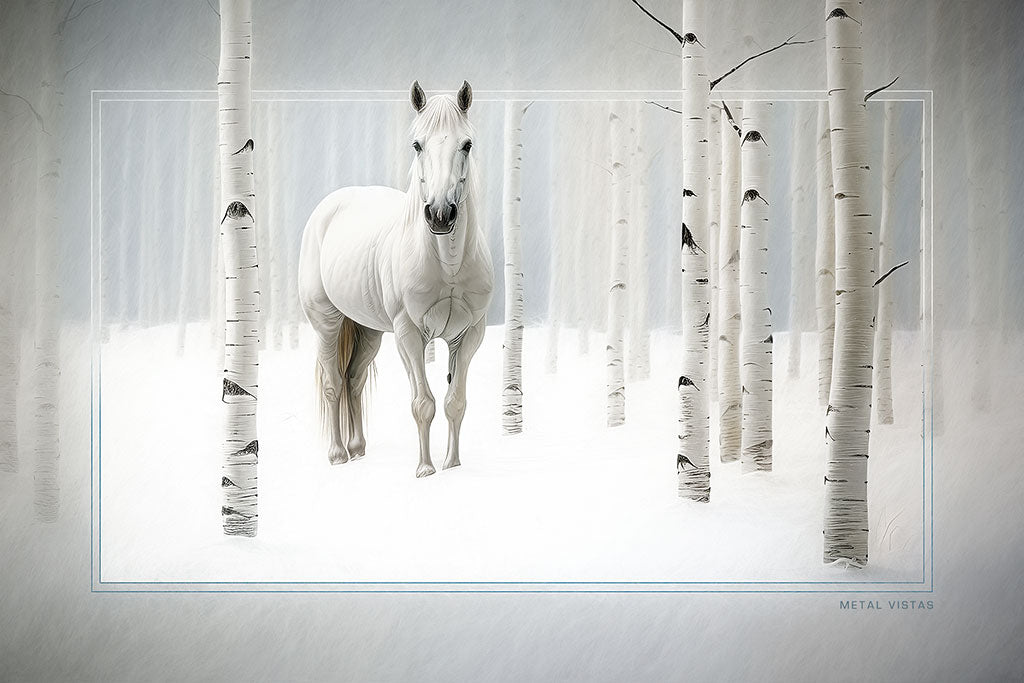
[(787, 41), (87, 53), (662, 106), (34, 112), (68, 18), (661, 23), (891, 270), (213, 8), (725, 108), (878, 90)]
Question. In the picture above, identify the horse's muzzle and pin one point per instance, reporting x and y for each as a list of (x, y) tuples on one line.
[(441, 221)]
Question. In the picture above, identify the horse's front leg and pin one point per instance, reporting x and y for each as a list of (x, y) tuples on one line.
[(455, 402), (411, 348)]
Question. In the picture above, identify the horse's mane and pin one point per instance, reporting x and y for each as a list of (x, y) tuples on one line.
[(441, 112)]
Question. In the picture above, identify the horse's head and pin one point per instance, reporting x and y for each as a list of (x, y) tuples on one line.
[(442, 137)]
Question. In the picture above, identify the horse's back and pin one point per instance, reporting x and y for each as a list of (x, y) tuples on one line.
[(340, 256)]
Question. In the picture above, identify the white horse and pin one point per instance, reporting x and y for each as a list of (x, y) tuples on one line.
[(375, 260)]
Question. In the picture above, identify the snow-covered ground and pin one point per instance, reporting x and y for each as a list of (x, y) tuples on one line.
[(567, 501)]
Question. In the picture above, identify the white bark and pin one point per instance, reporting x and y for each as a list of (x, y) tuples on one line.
[(848, 417), (238, 237), (801, 238), (714, 264), (191, 225), (730, 400), (883, 319), (825, 256), (46, 476), (639, 346), (275, 227), (512, 350), (692, 465), (557, 238), (756, 339), (617, 294)]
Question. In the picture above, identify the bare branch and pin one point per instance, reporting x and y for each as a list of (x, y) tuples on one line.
[(208, 2), (68, 18), (732, 121), (528, 104), (787, 41), (891, 271), (39, 118), (661, 23), (654, 49), (878, 90), (87, 53), (662, 106)]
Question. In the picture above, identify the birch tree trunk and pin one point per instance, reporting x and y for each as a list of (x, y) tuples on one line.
[(46, 477), (639, 335), (238, 237), (801, 239), (512, 349), (617, 294), (730, 400), (883, 319), (557, 237), (756, 337), (825, 256), (848, 417), (191, 227), (692, 466), (714, 225), (275, 227)]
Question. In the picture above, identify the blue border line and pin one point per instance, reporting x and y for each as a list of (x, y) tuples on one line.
[(96, 444)]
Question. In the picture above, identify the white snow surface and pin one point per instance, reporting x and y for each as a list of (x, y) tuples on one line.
[(569, 500)]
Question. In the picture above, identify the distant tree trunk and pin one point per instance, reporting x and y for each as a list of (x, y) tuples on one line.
[(756, 338), (801, 238), (714, 218), (825, 257), (238, 237), (617, 294), (730, 400), (10, 357), (262, 183), (848, 417), (192, 227), (557, 236), (640, 334), (275, 227), (512, 354), (145, 297), (883, 319), (692, 466)]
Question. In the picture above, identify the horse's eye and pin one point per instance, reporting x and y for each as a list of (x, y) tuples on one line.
[(416, 146), (468, 146)]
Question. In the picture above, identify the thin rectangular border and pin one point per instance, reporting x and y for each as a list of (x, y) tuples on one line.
[(926, 97)]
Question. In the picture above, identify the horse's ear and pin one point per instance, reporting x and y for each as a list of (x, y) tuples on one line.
[(417, 97), (465, 96)]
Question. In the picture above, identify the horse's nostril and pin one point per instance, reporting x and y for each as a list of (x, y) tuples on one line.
[(426, 213), (453, 212)]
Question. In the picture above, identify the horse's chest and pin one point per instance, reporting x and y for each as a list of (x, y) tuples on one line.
[(449, 317)]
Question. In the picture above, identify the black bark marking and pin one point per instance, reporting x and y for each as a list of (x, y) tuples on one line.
[(688, 241), (753, 136), (734, 258), (232, 389), (840, 195), (682, 461), (225, 511), (828, 434), (839, 12), (890, 272), (449, 378), (751, 195), (251, 448), (767, 340), (707, 319), (743, 390), (701, 281), (247, 147), (235, 211), (225, 482), (687, 192), (685, 381)]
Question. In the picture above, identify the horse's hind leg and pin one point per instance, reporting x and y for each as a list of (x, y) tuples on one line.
[(327, 321), (366, 347)]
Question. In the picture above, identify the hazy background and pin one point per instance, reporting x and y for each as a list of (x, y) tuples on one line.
[(969, 53)]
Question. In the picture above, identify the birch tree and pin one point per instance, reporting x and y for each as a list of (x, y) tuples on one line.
[(714, 227), (801, 239), (694, 406), (756, 338), (238, 238), (512, 349), (617, 294), (639, 334), (275, 227), (883, 319), (825, 256), (190, 227), (730, 399), (848, 417), (46, 476), (557, 238)]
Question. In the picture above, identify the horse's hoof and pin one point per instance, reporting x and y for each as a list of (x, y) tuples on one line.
[(424, 470), (337, 456), (355, 455), (448, 464)]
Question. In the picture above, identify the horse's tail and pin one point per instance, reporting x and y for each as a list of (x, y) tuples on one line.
[(347, 339)]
